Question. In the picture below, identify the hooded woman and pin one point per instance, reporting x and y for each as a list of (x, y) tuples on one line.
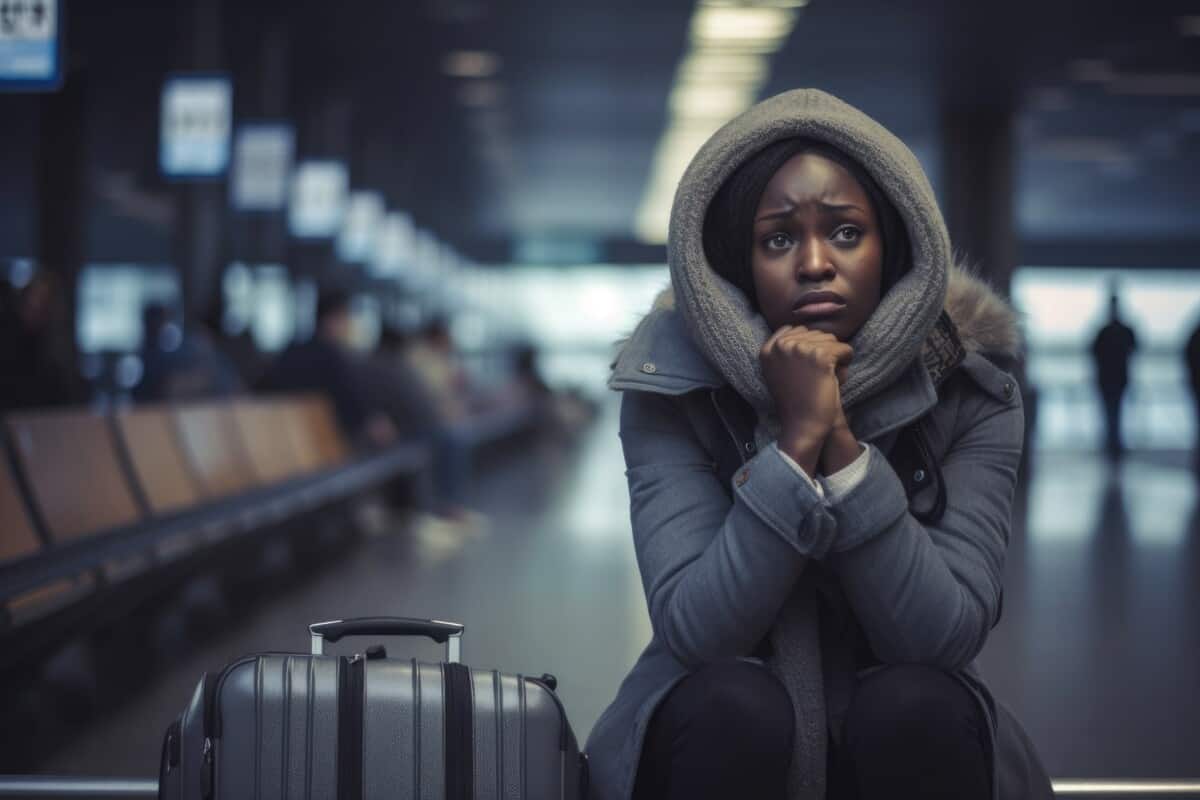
[(822, 446)]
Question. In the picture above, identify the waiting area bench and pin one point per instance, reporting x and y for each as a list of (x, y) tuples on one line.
[(98, 510)]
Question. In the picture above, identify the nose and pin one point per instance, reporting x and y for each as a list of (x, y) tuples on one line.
[(814, 262)]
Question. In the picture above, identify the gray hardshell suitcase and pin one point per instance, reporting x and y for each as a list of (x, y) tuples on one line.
[(366, 727)]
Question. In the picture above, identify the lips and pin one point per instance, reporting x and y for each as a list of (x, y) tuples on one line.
[(819, 304)]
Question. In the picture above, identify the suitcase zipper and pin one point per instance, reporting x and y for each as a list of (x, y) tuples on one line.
[(206, 770)]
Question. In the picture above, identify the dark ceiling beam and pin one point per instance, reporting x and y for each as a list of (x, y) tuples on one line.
[(1123, 254)]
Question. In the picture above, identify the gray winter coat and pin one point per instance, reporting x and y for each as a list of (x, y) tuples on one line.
[(725, 529)]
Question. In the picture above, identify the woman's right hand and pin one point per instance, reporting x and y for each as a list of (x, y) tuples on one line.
[(801, 367)]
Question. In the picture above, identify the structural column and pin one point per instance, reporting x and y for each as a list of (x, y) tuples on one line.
[(978, 186), (199, 241)]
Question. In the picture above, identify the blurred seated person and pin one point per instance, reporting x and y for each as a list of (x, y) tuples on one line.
[(433, 357), (233, 338), (180, 364), (328, 363), (527, 378), (36, 366), (399, 390)]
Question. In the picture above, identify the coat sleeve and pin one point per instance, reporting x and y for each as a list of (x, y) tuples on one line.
[(929, 594), (715, 570)]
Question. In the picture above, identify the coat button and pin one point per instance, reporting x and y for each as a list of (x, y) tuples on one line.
[(649, 368), (919, 475), (742, 477), (1008, 390), (749, 447)]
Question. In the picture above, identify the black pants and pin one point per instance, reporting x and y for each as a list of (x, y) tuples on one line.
[(727, 729)]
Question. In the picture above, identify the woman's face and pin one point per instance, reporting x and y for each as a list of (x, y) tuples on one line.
[(815, 231)]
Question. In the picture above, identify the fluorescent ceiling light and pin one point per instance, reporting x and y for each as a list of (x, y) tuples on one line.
[(722, 67), (719, 78), (754, 3), (471, 64), (679, 138), (710, 101), (741, 25)]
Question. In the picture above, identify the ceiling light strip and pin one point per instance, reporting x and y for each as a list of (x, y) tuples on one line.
[(720, 76)]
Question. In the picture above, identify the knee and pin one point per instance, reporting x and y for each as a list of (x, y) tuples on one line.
[(910, 703), (744, 702)]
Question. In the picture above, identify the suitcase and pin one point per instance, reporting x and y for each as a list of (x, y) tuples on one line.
[(367, 727)]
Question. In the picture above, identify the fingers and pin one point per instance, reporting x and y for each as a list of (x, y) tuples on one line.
[(820, 346), (782, 330)]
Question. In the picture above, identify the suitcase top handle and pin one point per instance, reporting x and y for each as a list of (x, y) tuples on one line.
[(448, 633)]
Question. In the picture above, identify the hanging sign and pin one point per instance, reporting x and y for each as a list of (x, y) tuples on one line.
[(197, 114), (30, 34), (262, 163)]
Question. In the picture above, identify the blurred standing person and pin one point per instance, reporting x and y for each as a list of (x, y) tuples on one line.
[(1192, 355), (1112, 348), (35, 347)]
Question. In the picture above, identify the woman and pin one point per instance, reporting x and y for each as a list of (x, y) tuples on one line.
[(822, 458)]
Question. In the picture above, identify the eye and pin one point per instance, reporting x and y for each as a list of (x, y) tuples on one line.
[(847, 234), (777, 241)]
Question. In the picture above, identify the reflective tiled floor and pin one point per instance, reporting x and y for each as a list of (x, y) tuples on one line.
[(1098, 652)]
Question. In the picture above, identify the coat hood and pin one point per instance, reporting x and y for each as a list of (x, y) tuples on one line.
[(719, 316)]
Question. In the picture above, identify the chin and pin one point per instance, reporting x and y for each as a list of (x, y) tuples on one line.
[(828, 326)]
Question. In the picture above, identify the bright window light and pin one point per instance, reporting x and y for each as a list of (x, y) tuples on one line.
[(741, 25), (1064, 308)]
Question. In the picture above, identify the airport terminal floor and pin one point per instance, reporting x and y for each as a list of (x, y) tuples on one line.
[(1096, 652)]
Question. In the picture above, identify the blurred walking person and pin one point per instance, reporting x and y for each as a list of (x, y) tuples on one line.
[(1112, 348), (1192, 355)]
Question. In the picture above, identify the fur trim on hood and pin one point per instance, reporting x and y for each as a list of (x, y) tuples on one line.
[(986, 322)]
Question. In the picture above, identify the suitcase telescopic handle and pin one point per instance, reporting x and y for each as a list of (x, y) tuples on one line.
[(448, 633)]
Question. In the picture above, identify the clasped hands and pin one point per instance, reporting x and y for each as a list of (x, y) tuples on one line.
[(804, 370)]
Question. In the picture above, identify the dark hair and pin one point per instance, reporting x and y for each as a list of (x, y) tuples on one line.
[(330, 302), (729, 222)]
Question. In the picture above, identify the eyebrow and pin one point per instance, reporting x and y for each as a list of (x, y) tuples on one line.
[(826, 206)]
